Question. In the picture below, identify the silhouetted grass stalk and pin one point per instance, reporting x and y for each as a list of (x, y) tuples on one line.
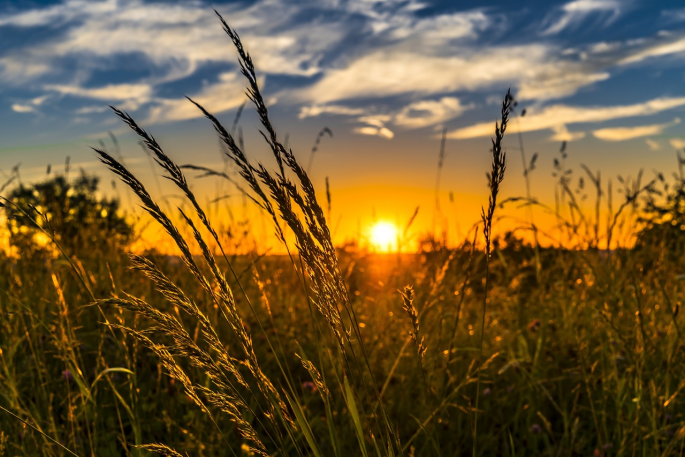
[(495, 178)]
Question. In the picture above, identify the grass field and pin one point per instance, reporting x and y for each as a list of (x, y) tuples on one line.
[(498, 346)]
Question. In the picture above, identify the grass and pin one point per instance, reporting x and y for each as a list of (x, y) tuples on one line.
[(494, 347)]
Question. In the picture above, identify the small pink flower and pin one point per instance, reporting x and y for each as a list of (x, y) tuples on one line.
[(66, 374), (308, 385)]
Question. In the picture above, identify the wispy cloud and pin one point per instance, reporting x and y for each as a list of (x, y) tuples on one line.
[(562, 133), (430, 112), (396, 58), (317, 110), (18, 108), (383, 132), (653, 145), (111, 92), (572, 14), (540, 71), (223, 95), (628, 133), (557, 117), (673, 46)]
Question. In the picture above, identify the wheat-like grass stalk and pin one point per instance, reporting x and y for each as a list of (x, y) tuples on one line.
[(495, 178), (223, 298), (313, 241), (297, 205), (315, 146), (407, 295)]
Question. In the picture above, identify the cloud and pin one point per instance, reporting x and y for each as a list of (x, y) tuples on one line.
[(438, 30), (111, 92), (563, 134), (333, 52), (393, 72), (31, 106), (176, 38), (223, 95), (677, 143), (17, 108), (376, 125), (540, 71), (571, 14), (675, 46), (64, 12), (317, 110), (628, 133), (376, 120), (397, 20), (91, 109), (383, 132), (673, 15), (653, 145), (556, 116), (19, 69), (430, 112)]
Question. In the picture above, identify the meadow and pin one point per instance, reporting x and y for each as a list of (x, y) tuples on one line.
[(556, 344)]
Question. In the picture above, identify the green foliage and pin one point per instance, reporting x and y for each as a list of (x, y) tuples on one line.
[(71, 211), (664, 220), (580, 352)]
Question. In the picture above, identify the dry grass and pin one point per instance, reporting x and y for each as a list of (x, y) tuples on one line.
[(550, 351)]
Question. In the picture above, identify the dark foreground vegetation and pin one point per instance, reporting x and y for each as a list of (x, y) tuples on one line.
[(496, 347)]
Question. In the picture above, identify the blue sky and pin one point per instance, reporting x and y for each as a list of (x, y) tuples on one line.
[(385, 76)]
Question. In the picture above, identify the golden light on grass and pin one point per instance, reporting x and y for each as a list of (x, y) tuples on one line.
[(384, 237)]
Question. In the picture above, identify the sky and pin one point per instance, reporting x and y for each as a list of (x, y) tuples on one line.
[(386, 77)]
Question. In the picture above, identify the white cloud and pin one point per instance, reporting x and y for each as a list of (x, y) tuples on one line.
[(677, 143), (376, 125), (37, 101), (397, 19), (653, 145), (563, 134), (175, 37), (20, 68), (538, 71), (675, 46), (573, 13), (316, 110), (383, 132), (227, 93), (628, 133), (66, 11), (553, 117), (354, 49), (92, 109), (30, 106), (440, 29), (558, 84), (376, 120), (111, 92), (17, 108), (430, 112), (397, 71)]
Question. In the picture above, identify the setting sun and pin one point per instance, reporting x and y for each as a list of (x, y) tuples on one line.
[(384, 237)]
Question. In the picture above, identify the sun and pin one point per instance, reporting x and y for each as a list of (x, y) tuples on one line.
[(384, 237)]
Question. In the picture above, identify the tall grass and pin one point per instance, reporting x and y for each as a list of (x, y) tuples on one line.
[(512, 349)]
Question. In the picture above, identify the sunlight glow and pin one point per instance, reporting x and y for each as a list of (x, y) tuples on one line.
[(384, 237)]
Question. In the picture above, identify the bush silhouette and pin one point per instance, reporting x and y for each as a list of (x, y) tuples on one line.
[(72, 212)]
